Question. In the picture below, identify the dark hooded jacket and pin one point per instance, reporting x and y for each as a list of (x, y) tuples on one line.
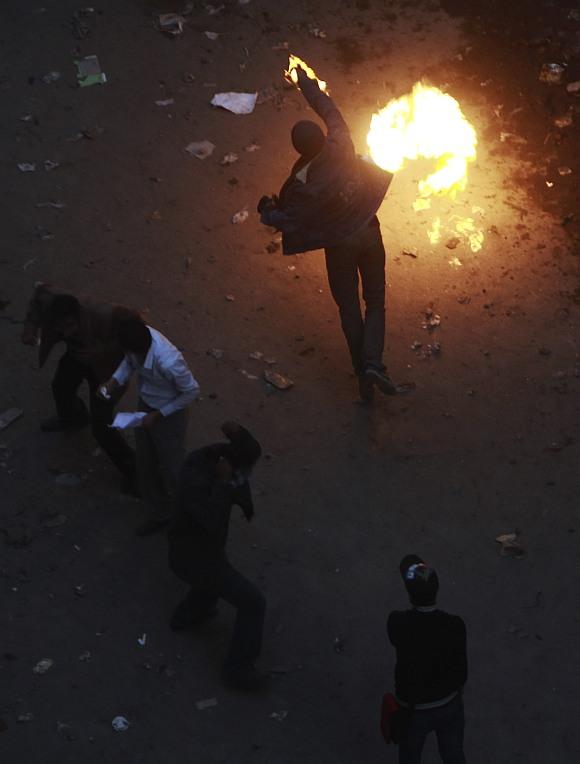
[(328, 199)]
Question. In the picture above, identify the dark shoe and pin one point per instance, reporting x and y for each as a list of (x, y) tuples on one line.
[(56, 424), (180, 621), (246, 678), (152, 526), (381, 379), (366, 388)]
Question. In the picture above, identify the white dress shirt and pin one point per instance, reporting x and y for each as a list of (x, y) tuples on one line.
[(164, 380)]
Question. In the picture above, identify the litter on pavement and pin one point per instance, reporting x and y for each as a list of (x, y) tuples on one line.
[(510, 546), (126, 420), (552, 73), (237, 103), (171, 24), (27, 166), (201, 705), (277, 380), (200, 149), (229, 158), (51, 77), (240, 217), (120, 724), (89, 72), (43, 666)]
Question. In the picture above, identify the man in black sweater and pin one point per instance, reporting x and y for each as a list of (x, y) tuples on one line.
[(431, 668), (329, 202), (213, 479)]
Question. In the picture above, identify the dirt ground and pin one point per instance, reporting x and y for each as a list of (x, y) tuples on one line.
[(487, 443)]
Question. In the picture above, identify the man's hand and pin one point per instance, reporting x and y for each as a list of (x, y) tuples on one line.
[(150, 419), (266, 202), (224, 470), (302, 75), (108, 388)]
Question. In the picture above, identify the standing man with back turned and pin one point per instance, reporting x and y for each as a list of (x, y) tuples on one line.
[(329, 202), (431, 668)]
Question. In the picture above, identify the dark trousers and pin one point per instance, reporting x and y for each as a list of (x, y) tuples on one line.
[(364, 254), (446, 722), (70, 374), (250, 603)]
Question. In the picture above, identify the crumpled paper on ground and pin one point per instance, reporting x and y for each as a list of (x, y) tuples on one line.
[(126, 420), (238, 103)]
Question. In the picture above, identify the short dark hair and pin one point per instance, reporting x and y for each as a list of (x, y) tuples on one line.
[(307, 138), (421, 581), (244, 449), (64, 306), (133, 335)]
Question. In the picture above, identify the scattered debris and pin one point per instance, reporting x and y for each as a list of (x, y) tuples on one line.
[(27, 166), (51, 205), (187, 77), (338, 645), (247, 374), (410, 252), (277, 380), (80, 590), (240, 217), (50, 164), (230, 158), (453, 242), (552, 73), (165, 102), (256, 355), (24, 718), (126, 420), (251, 147), (142, 639), (432, 320), (85, 657), (120, 724), (51, 77), (405, 387), (455, 262), (281, 46), (564, 171), (230, 298), (212, 35), (315, 31), (573, 87), (200, 149), (565, 121), (270, 94), (518, 139), (56, 521), (215, 353), (237, 103), (171, 24), (201, 705), (43, 666), (510, 547), (9, 416), (213, 10), (89, 72), (279, 715)]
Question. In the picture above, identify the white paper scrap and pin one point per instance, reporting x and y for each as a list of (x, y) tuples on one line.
[(126, 420), (238, 103)]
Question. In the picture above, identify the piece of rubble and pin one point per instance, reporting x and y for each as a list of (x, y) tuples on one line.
[(432, 320), (410, 252), (453, 242), (171, 24), (552, 73), (27, 166), (229, 158), (43, 666), (51, 77), (202, 705), (277, 380), (510, 546), (120, 724), (240, 217), (200, 149), (279, 716)]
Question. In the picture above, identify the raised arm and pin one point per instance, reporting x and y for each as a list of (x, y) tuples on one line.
[(325, 107)]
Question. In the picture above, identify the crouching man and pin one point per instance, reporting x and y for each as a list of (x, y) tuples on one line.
[(214, 479)]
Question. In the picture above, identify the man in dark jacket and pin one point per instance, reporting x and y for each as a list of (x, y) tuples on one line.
[(431, 668), (87, 328), (214, 479), (330, 202)]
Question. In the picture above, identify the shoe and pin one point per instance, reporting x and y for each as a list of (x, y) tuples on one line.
[(381, 379), (56, 424), (366, 388), (180, 621), (246, 678), (149, 527)]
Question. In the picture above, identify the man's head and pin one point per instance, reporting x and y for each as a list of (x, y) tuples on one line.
[(421, 581), (133, 336), (243, 449), (64, 313), (307, 138)]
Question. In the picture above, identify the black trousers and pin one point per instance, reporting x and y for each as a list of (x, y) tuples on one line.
[(361, 254), (447, 722), (250, 603), (70, 374)]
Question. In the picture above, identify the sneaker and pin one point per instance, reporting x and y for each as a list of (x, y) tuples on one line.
[(154, 525), (56, 424), (246, 678), (381, 379), (366, 388)]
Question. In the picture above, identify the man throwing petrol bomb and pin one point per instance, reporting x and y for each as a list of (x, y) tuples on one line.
[(329, 202)]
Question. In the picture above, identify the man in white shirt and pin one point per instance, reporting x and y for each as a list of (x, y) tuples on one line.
[(166, 388)]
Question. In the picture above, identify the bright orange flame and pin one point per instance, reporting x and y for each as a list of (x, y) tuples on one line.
[(292, 75)]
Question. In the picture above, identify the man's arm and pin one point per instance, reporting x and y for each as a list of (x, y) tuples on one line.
[(178, 372), (326, 109)]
